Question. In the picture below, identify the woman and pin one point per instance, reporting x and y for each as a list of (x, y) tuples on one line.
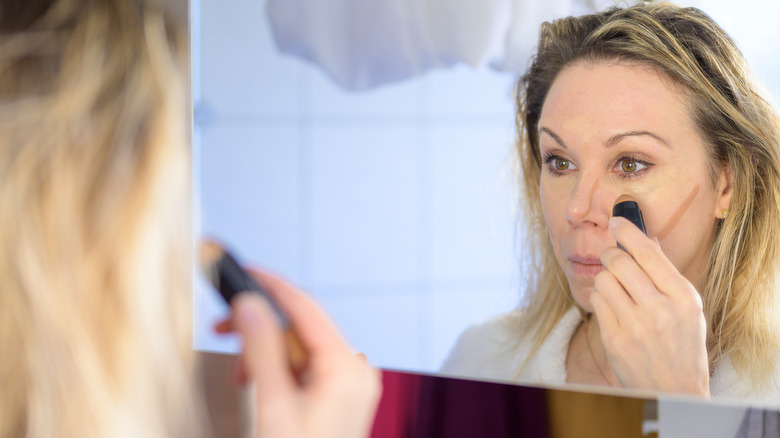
[(95, 323), (655, 102)]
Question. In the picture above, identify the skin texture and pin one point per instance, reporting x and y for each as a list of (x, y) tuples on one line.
[(608, 129)]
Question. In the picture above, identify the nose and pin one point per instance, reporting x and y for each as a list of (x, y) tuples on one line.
[(590, 203)]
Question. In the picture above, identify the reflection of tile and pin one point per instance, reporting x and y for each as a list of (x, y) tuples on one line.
[(465, 91), (326, 98), (449, 312), (250, 193), (364, 204), (386, 327), (472, 217), (241, 70)]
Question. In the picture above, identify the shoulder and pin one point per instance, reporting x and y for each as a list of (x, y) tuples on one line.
[(482, 349), (727, 383), (495, 349)]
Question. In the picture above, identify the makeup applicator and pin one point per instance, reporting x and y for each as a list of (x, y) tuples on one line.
[(229, 278), (627, 207)]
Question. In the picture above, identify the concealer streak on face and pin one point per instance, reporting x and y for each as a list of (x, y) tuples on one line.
[(591, 196), (678, 214)]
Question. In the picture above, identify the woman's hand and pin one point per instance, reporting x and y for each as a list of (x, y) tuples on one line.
[(650, 317), (338, 394)]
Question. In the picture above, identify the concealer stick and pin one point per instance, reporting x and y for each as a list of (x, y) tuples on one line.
[(229, 278), (627, 207)]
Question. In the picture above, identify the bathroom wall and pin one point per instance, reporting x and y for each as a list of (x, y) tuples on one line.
[(394, 208)]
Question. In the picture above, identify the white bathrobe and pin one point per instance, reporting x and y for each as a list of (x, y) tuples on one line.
[(490, 351)]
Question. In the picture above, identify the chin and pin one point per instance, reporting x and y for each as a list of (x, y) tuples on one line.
[(581, 296)]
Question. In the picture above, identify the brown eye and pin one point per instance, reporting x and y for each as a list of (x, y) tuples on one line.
[(628, 166), (561, 164)]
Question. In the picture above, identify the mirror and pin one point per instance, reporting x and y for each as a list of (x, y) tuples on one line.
[(394, 207)]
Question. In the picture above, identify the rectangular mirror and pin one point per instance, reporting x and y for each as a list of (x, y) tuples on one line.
[(394, 207)]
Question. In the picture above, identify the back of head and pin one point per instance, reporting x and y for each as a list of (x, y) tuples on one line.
[(738, 126), (94, 224)]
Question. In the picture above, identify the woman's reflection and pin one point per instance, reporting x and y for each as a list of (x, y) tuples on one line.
[(655, 102)]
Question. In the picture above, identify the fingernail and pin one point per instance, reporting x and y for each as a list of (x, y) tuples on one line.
[(613, 222)]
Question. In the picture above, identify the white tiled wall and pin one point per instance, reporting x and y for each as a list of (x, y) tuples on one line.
[(251, 191), (394, 208), (364, 195)]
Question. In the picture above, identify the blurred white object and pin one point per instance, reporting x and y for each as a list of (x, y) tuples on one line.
[(362, 44)]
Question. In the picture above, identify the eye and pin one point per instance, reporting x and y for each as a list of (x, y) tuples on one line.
[(560, 164), (557, 165), (630, 165)]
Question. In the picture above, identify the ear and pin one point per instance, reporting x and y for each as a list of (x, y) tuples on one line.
[(725, 186)]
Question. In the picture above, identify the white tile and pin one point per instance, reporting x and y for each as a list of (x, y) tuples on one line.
[(250, 194), (328, 99), (473, 198), (385, 327), (466, 91), (364, 218), (450, 312), (241, 70), (680, 418)]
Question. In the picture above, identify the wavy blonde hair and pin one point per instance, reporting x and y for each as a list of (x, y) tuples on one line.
[(741, 130), (94, 225)]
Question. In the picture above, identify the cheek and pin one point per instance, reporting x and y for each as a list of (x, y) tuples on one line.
[(553, 210), (670, 213), (680, 224)]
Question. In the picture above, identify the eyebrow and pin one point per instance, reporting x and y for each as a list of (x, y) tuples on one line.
[(554, 136), (615, 139), (612, 141)]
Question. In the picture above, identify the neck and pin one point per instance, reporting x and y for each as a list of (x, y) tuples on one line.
[(597, 352)]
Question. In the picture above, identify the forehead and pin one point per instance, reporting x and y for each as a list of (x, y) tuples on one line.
[(601, 98)]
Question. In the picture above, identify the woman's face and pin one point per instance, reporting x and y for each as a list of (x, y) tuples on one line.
[(608, 129)]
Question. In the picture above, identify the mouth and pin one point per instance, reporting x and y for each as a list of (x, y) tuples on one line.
[(586, 266)]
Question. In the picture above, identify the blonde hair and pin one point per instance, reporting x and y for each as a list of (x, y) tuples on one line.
[(94, 225), (741, 130)]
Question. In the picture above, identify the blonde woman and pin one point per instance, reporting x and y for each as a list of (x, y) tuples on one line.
[(655, 102), (95, 243)]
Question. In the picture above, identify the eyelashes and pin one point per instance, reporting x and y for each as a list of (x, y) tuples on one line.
[(627, 166)]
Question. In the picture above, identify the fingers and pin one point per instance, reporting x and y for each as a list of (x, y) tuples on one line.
[(224, 326), (604, 314), (648, 255), (608, 289), (314, 329), (264, 355), (627, 275)]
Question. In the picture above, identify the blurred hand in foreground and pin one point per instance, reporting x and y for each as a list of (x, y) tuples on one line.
[(337, 392)]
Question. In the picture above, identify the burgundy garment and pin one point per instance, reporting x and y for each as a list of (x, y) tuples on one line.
[(420, 406)]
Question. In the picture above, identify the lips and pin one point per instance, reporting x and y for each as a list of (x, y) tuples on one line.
[(586, 266)]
